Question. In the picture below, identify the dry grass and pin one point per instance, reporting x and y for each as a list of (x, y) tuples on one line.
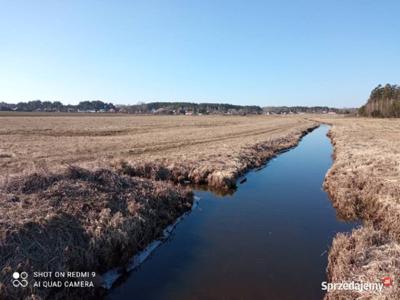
[(365, 255), (364, 183), (119, 194), (211, 144), (80, 220)]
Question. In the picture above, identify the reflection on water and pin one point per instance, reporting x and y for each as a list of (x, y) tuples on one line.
[(216, 192), (269, 241)]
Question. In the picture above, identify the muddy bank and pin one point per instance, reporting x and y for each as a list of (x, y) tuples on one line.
[(218, 173), (80, 220), (363, 184)]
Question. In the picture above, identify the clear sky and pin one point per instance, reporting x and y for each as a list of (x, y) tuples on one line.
[(315, 52)]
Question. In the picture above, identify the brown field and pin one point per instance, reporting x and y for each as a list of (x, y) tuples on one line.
[(210, 144), (364, 183), (88, 192)]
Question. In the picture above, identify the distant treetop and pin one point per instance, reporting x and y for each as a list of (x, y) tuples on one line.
[(384, 101)]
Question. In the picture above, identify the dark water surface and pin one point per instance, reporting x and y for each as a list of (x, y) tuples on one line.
[(267, 241)]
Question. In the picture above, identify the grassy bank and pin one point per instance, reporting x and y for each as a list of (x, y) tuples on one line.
[(217, 172), (86, 194), (364, 184), (80, 220)]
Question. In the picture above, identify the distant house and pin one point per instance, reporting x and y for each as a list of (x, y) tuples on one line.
[(163, 111), (86, 111)]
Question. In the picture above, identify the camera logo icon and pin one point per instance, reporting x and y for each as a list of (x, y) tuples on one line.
[(19, 279)]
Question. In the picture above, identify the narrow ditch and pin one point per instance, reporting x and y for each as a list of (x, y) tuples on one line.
[(269, 239)]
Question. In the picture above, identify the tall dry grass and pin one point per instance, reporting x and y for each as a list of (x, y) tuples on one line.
[(364, 183), (80, 220)]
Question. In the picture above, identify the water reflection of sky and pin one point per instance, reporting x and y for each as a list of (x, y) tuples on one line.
[(267, 241)]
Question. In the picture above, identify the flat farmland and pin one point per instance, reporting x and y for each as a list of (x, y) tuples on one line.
[(88, 192), (29, 142)]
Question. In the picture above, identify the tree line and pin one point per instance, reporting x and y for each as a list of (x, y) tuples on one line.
[(191, 108), (57, 106), (141, 108), (383, 102), (308, 110), (166, 108)]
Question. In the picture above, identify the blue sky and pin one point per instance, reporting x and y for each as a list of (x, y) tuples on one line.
[(330, 52)]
